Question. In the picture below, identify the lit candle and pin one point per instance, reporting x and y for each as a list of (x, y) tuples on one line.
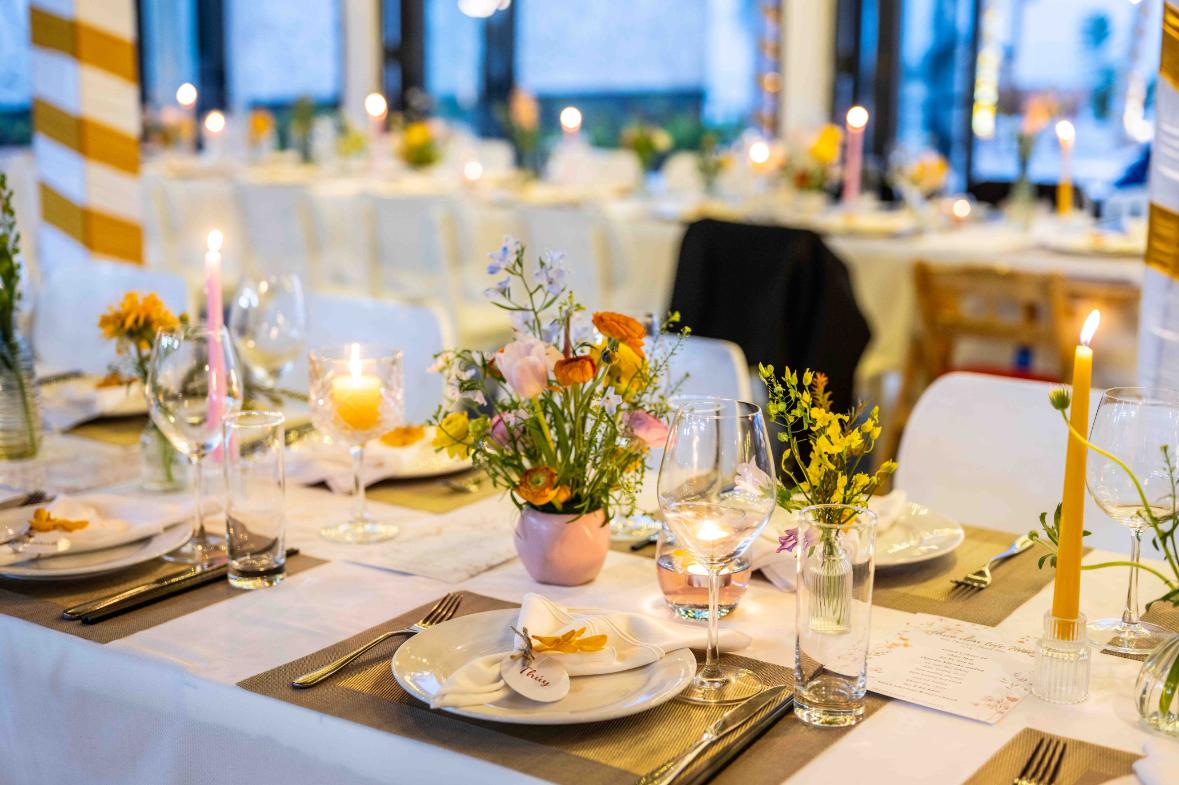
[(215, 123), (571, 121), (472, 171), (377, 109), (1066, 593), (357, 396), (1066, 135), (853, 165), (709, 531), (186, 97), (214, 317), (759, 156)]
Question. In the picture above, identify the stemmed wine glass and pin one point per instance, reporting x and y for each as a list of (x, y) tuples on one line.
[(717, 492), (1135, 424), (268, 322), (192, 383), (356, 395)]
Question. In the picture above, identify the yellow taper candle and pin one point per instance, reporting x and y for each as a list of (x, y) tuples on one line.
[(357, 396), (1066, 593), (1066, 135)]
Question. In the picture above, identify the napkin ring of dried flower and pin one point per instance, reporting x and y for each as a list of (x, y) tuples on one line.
[(526, 655)]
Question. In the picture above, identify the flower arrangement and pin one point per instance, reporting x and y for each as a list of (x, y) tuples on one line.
[(835, 444), (563, 416), (522, 120), (418, 145), (261, 125), (816, 167), (17, 439), (926, 173), (351, 143), (711, 160), (647, 141)]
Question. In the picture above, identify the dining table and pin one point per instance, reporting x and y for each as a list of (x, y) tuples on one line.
[(196, 691)]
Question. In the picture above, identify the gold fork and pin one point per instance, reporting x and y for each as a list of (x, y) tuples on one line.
[(981, 578), (442, 611)]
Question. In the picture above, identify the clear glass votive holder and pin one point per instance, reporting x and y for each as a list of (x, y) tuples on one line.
[(683, 579), (255, 484), (836, 561), (1061, 673)]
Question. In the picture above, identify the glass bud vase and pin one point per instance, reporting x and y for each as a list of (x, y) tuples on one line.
[(835, 555), (1157, 688), (20, 412), (161, 466)]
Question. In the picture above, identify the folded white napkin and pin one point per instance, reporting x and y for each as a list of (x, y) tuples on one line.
[(632, 641), (110, 525), (779, 567), (1161, 764), (66, 404), (314, 460)]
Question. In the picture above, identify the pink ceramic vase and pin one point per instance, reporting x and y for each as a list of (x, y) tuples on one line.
[(564, 550)]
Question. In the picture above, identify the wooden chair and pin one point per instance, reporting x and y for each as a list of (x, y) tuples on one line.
[(1074, 298)]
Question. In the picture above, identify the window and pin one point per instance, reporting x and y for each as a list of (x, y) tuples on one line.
[(16, 84)]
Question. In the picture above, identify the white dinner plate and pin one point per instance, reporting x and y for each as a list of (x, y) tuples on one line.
[(423, 662), (309, 462), (90, 563), (918, 535)]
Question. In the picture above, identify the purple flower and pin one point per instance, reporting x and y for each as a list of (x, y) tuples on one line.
[(650, 430), (500, 289), (788, 541), (504, 256)]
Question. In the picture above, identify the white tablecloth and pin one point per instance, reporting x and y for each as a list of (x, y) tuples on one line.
[(160, 705)]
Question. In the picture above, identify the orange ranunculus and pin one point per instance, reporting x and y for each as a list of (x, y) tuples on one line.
[(622, 328), (574, 370), (538, 486), (563, 494)]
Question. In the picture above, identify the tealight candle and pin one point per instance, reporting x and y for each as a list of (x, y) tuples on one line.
[(857, 121), (1066, 135), (357, 396), (1066, 592), (472, 171), (759, 156), (186, 97)]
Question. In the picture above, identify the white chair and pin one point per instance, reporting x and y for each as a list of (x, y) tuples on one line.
[(618, 169), (159, 239), (989, 451), (681, 173), (416, 252), (276, 221), (69, 301), (341, 231), (418, 331), (709, 366), (577, 231)]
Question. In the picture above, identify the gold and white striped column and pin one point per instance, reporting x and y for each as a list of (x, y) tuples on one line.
[(1158, 339), (86, 128)]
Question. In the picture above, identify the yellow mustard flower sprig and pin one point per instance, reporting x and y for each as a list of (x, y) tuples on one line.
[(572, 642)]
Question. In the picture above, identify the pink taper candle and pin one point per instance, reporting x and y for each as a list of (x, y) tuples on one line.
[(853, 164)]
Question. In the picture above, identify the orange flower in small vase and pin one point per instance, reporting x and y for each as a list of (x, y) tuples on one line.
[(538, 486), (622, 328), (574, 370)]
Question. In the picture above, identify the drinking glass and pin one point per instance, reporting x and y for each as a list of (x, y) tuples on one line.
[(192, 382), (356, 395), (1135, 424), (268, 322), (255, 498), (716, 490), (835, 558)]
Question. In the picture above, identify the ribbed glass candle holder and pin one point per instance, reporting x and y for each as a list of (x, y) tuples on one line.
[(1061, 673)]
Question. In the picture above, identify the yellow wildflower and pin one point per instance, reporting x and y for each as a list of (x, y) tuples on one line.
[(452, 435), (824, 150), (135, 321)]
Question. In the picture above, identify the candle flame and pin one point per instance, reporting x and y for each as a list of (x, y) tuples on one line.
[(857, 117), (376, 105), (186, 94), (215, 240), (1065, 132), (472, 170), (354, 361), (759, 152), (571, 118), (215, 122), (961, 208), (1090, 327)]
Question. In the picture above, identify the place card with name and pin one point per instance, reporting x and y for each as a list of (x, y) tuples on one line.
[(954, 666)]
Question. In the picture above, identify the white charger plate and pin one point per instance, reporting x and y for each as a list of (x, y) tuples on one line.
[(304, 464), (917, 536), (426, 660), (69, 566)]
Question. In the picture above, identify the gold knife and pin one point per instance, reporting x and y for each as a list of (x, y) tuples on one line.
[(733, 719)]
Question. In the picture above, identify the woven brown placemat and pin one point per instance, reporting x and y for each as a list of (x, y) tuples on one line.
[(586, 754), (42, 602), (433, 494), (1092, 762)]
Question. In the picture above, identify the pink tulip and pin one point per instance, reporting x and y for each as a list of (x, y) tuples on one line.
[(649, 429), (505, 429), (526, 363)]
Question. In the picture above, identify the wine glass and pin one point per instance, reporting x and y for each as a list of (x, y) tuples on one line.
[(268, 322), (192, 383), (356, 395), (717, 491), (1135, 424)]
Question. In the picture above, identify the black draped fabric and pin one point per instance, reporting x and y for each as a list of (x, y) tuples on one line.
[(779, 293)]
